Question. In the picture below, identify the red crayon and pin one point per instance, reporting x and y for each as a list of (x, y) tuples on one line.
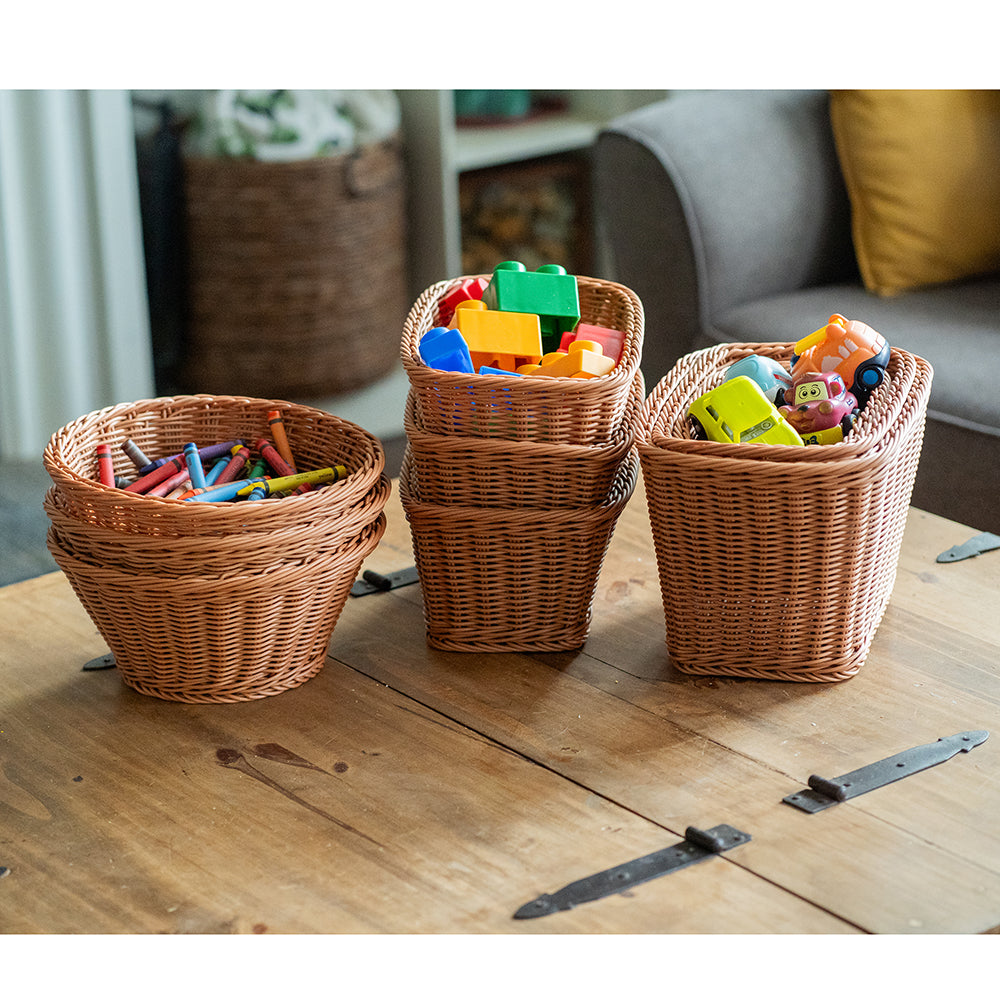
[(105, 465), (236, 465), (267, 451)]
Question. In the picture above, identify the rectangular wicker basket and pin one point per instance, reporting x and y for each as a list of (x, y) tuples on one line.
[(777, 562)]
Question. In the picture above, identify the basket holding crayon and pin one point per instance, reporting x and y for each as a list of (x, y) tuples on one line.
[(203, 598)]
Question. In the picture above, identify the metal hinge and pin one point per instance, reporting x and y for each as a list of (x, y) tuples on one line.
[(696, 846), (985, 542), (825, 792), (373, 583)]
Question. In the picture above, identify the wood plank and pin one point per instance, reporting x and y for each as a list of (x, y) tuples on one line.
[(921, 855), (339, 807)]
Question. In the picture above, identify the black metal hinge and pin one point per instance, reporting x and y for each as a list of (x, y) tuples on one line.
[(374, 583), (696, 846), (825, 792)]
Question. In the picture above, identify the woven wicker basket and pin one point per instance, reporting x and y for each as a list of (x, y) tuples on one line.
[(777, 562), (213, 602), (220, 638), (297, 272), (495, 472), (557, 410), (163, 426), (496, 579)]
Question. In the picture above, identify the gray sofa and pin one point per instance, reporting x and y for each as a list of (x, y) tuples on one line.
[(726, 212)]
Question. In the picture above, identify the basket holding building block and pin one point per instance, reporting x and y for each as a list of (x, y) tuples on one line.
[(527, 408), (777, 562)]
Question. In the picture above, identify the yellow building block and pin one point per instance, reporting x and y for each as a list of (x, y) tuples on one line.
[(584, 359), (498, 339)]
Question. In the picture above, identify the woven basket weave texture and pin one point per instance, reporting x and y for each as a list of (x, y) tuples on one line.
[(213, 602), (777, 562), (297, 272)]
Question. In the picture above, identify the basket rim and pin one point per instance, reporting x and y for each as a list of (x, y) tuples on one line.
[(343, 493), (906, 401), (421, 374)]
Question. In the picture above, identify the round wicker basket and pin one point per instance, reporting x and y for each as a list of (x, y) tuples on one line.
[(777, 562), (213, 602)]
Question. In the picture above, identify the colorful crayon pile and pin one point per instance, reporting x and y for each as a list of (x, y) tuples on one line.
[(225, 471)]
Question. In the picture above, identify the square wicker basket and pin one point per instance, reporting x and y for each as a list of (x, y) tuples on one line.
[(213, 602), (777, 562)]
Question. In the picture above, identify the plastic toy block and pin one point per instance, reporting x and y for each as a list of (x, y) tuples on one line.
[(445, 350), (486, 370), (471, 288), (611, 341), (583, 360), (549, 292), (498, 339)]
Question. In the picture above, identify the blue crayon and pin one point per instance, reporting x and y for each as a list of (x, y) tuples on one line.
[(213, 474), (195, 468), (227, 491)]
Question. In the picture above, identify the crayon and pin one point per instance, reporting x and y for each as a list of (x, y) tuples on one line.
[(135, 455), (105, 465), (193, 461), (227, 491), (212, 476), (155, 476), (283, 483), (170, 484), (270, 454), (277, 426), (205, 454), (258, 470), (121, 482), (259, 492), (236, 464)]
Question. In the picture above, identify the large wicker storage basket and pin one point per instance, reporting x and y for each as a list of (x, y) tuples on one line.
[(557, 410), (213, 602), (497, 579), (297, 272), (774, 561)]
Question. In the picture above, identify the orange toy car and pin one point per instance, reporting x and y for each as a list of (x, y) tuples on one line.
[(852, 349)]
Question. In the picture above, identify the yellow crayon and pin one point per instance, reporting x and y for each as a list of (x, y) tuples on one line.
[(282, 483)]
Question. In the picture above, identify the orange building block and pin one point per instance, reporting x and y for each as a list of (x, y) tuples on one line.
[(584, 359), (498, 339)]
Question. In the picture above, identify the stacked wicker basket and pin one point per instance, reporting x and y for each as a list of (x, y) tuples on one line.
[(512, 486), (777, 562), (213, 602)]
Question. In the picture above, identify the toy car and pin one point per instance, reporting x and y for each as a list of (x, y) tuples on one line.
[(820, 408), (849, 347), (772, 377), (738, 412)]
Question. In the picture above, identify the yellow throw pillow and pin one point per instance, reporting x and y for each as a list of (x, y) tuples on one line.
[(922, 169)]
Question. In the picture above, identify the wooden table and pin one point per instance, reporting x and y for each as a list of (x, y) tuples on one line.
[(408, 790)]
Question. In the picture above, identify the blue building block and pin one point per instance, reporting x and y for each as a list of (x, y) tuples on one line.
[(445, 350)]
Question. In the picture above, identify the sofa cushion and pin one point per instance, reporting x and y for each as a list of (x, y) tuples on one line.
[(956, 327), (922, 175)]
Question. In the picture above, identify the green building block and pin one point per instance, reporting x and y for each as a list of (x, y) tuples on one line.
[(549, 292)]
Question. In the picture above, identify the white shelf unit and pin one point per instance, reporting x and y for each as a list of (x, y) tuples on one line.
[(439, 151)]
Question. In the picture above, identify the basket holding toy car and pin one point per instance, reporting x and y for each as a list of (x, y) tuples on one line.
[(494, 472), (498, 579), (207, 601), (578, 411), (777, 562)]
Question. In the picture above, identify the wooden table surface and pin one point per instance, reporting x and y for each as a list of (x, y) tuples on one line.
[(405, 790)]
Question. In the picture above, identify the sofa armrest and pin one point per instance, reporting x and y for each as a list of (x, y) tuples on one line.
[(709, 199)]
